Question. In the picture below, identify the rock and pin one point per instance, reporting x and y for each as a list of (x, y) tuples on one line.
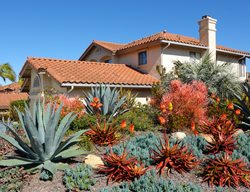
[(93, 161), (208, 137), (238, 132), (178, 135)]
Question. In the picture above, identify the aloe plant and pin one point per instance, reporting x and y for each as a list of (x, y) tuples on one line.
[(111, 104), (243, 104), (45, 134)]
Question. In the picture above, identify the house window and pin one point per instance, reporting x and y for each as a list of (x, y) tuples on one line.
[(242, 67), (194, 56), (36, 82), (142, 58)]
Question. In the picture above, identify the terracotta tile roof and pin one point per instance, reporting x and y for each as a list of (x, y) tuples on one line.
[(232, 50), (164, 36), (7, 98), (170, 37), (11, 87), (109, 45), (74, 71)]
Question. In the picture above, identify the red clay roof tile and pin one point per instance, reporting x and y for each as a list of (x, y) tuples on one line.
[(165, 36), (74, 71), (7, 98)]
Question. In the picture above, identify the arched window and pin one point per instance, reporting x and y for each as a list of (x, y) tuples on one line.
[(36, 82), (106, 59)]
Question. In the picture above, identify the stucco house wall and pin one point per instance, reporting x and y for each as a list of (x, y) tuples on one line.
[(235, 65), (97, 54), (153, 59)]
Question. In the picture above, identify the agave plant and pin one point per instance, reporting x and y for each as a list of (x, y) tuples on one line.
[(111, 104), (46, 146), (244, 106)]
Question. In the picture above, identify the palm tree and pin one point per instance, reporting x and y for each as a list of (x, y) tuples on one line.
[(6, 72), (218, 77)]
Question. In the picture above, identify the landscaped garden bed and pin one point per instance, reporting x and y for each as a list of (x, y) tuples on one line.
[(187, 139)]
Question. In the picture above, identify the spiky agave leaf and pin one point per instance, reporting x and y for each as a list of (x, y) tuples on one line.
[(111, 104), (45, 135)]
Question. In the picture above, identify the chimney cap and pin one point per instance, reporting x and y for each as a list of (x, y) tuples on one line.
[(206, 16)]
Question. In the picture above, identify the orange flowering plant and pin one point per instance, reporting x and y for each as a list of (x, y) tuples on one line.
[(70, 104), (223, 107), (184, 106)]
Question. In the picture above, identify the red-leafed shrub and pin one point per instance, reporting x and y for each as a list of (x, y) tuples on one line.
[(175, 157), (221, 129), (70, 105), (121, 167), (224, 171), (184, 105)]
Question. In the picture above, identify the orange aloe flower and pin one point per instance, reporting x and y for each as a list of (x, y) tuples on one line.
[(223, 117), (161, 120), (131, 129), (123, 124), (237, 112), (230, 106)]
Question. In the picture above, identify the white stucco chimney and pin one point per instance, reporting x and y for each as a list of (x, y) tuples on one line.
[(207, 30)]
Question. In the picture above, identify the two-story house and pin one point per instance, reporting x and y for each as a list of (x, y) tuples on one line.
[(131, 65)]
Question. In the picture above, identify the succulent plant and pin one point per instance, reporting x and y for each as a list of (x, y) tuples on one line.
[(103, 134), (121, 167), (222, 131), (223, 171), (173, 157), (244, 106), (45, 133), (111, 104), (78, 178), (150, 182)]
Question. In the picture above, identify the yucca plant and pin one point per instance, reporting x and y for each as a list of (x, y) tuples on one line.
[(173, 157), (111, 104), (45, 134), (244, 105), (218, 77), (224, 171), (121, 167)]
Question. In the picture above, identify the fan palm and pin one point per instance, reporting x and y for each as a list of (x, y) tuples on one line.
[(218, 77), (6, 72)]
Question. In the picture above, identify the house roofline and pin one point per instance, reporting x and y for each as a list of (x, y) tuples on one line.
[(109, 85), (231, 52), (184, 44)]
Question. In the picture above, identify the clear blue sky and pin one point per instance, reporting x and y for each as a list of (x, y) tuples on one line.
[(64, 28)]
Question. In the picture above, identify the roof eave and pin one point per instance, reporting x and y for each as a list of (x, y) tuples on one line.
[(107, 84), (234, 53), (184, 44)]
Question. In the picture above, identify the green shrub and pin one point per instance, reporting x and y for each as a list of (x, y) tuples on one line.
[(138, 147), (83, 122), (20, 105), (78, 178), (150, 182), (140, 117), (11, 180)]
